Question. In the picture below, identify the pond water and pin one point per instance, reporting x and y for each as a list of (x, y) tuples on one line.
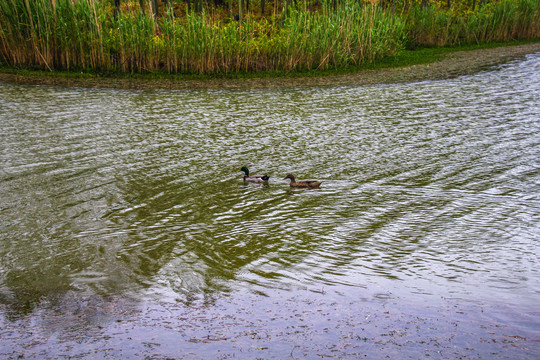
[(127, 232)]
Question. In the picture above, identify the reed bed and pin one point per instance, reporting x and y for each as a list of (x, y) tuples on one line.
[(85, 35), (499, 21)]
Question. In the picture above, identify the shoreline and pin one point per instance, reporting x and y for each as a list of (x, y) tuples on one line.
[(452, 64)]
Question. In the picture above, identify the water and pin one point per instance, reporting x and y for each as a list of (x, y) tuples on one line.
[(127, 231)]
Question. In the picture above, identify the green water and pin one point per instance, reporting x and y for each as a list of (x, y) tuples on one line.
[(127, 231)]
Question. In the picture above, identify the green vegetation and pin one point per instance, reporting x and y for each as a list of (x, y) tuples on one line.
[(103, 36), (504, 20)]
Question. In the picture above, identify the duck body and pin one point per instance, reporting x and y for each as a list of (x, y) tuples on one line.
[(312, 184), (261, 179)]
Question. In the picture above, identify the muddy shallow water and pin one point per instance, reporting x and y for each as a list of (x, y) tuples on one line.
[(127, 231)]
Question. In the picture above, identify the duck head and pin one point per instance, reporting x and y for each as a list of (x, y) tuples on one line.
[(290, 176), (245, 170)]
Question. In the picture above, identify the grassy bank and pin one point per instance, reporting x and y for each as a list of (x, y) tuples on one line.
[(407, 66), (87, 35)]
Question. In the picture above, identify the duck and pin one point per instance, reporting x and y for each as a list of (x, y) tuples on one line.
[(263, 179), (313, 184)]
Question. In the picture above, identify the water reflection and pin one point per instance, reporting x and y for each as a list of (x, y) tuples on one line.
[(432, 186)]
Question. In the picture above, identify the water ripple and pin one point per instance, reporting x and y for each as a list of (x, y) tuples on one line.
[(433, 185)]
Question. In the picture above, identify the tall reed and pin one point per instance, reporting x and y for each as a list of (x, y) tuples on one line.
[(503, 20), (350, 34), (79, 35), (85, 35)]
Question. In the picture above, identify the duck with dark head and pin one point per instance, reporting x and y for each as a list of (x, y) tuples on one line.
[(261, 179)]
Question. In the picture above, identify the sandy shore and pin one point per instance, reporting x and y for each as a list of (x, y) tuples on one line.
[(452, 65)]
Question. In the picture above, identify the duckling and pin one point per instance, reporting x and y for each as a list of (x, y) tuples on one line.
[(303, 183), (263, 179)]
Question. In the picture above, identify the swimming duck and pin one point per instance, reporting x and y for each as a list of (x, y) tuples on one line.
[(303, 183), (254, 178)]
